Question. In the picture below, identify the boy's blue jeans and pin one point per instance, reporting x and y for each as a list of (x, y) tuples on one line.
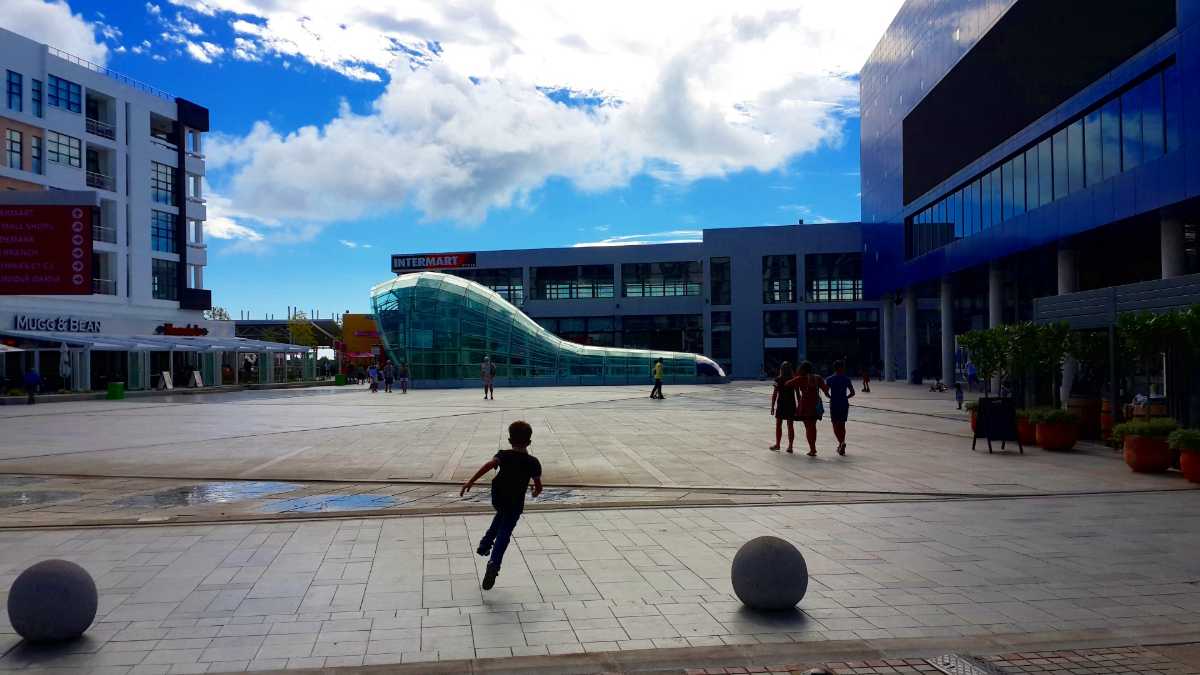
[(499, 534)]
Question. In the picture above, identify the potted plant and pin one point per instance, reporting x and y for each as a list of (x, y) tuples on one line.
[(972, 408), (1145, 442), (1187, 443), (1055, 429), (1026, 430)]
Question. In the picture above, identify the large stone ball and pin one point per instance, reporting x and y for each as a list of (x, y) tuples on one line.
[(52, 601), (769, 574)]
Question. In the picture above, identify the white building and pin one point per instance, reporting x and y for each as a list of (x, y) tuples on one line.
[(67, 124)]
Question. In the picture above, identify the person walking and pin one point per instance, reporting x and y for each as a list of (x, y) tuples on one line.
[(487, 373), (373, 376), (656, 391), (840, 391), (402, 375), (866, 380), (389, 376), (809, 408), (783, 406), (958, 394), (32, 381), (972, 376), (517, 467)]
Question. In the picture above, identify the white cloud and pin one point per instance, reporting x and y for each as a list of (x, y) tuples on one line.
[(143, 47), (153, 9), (668, 237), (181, 24), (471, 117), (51, 22), (204, 52)]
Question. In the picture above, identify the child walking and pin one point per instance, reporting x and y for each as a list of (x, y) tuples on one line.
[(517, 468), (958, 394)]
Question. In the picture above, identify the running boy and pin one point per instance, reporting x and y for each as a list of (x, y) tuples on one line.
[(517, 468)]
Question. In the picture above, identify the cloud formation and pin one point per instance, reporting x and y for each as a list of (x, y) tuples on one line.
[(52, 22), (667, 237)]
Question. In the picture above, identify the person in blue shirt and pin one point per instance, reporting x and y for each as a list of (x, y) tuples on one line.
[(32, 382), (841, 390)]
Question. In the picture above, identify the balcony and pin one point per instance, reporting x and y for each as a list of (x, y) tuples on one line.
[(104, 234), (101, 181), (101, 129), (104, 287)]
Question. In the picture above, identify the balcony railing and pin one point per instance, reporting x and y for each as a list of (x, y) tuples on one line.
[(104, 287), (102, 129), (102, 182), (108, 72), (105, 234), (198, 200)]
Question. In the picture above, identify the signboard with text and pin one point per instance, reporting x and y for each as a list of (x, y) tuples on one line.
[(431, 261), (45, 250)]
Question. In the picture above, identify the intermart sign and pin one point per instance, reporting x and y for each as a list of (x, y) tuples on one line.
[(56, 324)]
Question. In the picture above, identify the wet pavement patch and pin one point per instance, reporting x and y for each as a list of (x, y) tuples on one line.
[(206, 493), (33, 497), (552, 495), (19, 481), (321, 503)]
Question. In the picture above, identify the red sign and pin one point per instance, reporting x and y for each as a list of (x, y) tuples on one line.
[(45, 250), (190, 329), (431, 261)]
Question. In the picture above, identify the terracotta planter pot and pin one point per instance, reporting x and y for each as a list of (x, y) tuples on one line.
[(1145, 454), (972, 420), (1027, 432), (1106, 420), (1189, 462), (1059, 436), (1088, 410)]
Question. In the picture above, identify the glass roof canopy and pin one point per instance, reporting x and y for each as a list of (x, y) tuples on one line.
[(443, 326)]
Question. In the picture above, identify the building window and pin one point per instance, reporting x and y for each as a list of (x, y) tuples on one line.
[(195, 232), (851, 335), (35, 95), (572, 282), (657, 280), (779, 279), (35, 155), (672, 332), (833, 277), (12, 149), (781, 323), (722, 280), (165, 279), (63, 94), (162, 232), (15, 91), (104, 277), (598, 331), (64, 149), (507, 282), (162, 183), (722, 339)]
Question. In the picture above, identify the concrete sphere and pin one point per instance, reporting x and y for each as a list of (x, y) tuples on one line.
[(769, 574), (52, 601)]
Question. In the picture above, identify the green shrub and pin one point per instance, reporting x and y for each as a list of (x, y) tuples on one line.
[(1155, 427), (16, 392), (1053, 416), (1185, 439)]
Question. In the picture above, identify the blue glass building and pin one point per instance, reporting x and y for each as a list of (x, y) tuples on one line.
[(1023, 154), (443, 326)]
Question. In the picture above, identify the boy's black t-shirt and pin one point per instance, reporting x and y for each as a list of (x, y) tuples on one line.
[(516, 470)]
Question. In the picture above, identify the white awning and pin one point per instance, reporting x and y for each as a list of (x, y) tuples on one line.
[(155, 343)]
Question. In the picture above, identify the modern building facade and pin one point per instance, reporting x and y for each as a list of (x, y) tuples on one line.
[(748, 298), (1019, 149), (67, 124), (444, 326)]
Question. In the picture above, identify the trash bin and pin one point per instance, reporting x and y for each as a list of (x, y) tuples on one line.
[(340, 379), (116, 391)]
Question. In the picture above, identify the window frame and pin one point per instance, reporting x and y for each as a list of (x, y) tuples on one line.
[(162, 182), (54, 149), (14, 87), (162, 229), (64, 94), (169, 289)]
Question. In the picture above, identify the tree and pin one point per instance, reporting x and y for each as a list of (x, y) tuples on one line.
[(216, 314), (1089, 348), (988, 350), (301, 331), (274, 334)]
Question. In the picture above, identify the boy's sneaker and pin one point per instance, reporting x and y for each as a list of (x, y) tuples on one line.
[(489, 578), (484, 551)]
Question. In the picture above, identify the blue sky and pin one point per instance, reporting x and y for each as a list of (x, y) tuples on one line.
[(344, 135)]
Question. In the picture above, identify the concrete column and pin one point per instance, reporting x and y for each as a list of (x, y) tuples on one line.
[(1171, 247), (889, 319), (995, 295), (947, 321), (1068, 282), (910, 331)]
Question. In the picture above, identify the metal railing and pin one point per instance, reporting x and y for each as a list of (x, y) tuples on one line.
[(109, 72), (198, 200), (99, 180), (104, 234), (102, 129), (104, 287)]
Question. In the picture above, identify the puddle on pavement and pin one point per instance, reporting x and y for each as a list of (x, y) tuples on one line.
[(551, 495), (33, 497), (320, 503), (206, 493), (19, 481)]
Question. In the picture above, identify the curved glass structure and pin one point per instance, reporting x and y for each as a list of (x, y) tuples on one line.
[(442, 326)]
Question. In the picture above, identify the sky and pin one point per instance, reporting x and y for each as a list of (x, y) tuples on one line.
[(343, 132)]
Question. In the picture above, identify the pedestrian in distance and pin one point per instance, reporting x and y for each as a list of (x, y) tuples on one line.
[(517, 468), (402, 375), (657, 371), (839, 390), (783, 406), (809, 408), (389, 376), (972, 376), (487, 373), (373, 376), (958, 394), (866, 380), (32, 382)]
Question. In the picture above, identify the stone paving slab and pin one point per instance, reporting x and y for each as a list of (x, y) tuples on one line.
[(401, 590)]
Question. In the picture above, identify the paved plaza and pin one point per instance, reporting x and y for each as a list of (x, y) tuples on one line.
[(916, 545)]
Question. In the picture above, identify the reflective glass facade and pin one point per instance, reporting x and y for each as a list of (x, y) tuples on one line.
[(443, 326)]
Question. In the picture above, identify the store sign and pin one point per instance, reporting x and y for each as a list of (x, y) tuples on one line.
[(45, 250), (188, 330), (56, 324), (431, 261)]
